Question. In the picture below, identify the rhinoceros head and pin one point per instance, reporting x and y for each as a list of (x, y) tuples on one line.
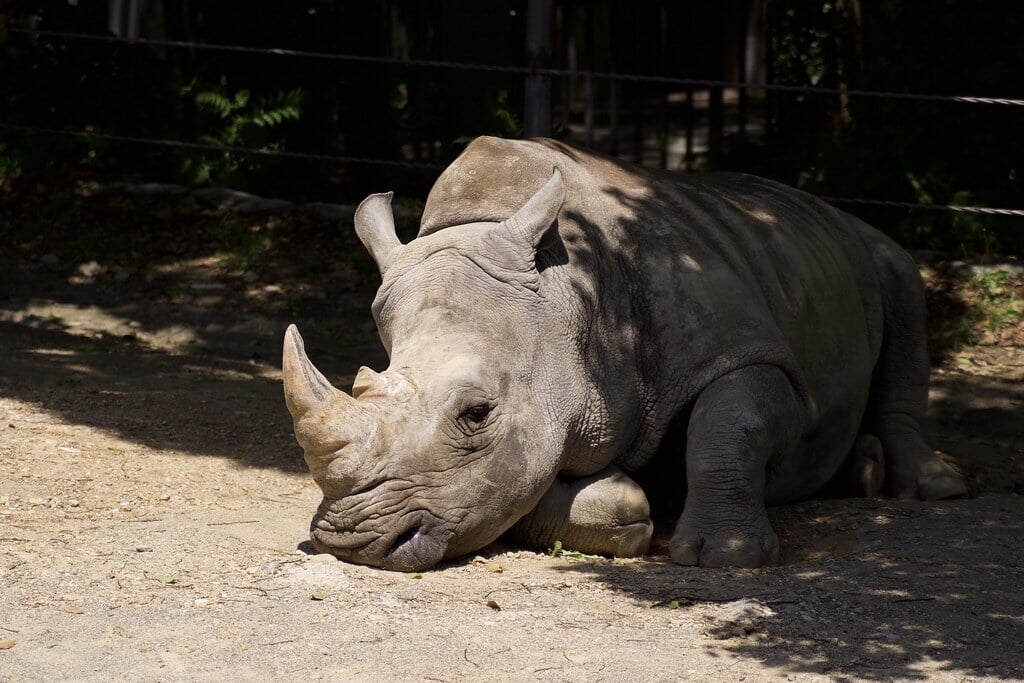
[(443, 451)]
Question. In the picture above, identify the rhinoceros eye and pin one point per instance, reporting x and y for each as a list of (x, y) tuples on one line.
[(475, 415)]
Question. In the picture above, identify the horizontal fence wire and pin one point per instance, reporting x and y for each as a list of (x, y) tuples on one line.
[(982, 210), (256, 151), (523, 70), (422, 166)]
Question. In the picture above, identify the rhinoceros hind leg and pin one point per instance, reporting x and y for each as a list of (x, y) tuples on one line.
[(899, 391), (863, 473), (737, 424), (937, 480), (605, 513)]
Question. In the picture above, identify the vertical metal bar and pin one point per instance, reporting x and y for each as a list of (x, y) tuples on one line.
[(613, 116), (134, 20), (588, 111), (689, 129), (114, 17), (564, 14), (741, 113), (614, 85), (638, 95), (588, 83), (769, 71), (663, 91), (716, 124), (537, 117)]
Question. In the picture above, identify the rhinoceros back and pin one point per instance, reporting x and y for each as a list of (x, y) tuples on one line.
[(687, 278)]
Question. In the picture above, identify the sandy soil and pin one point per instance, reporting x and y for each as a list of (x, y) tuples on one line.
[(154, 511)]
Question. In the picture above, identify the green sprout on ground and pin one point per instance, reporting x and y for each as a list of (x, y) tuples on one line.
[(558, 550)]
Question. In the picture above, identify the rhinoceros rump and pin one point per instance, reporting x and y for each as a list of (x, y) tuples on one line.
[(563, 319)]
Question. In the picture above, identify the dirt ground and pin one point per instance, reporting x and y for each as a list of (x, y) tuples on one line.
[(154, 512)]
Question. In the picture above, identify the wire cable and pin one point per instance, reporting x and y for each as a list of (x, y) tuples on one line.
[(523, 70)]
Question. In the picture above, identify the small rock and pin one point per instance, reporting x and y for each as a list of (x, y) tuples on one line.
[(150, 188), (341, 213), (90, 269), (322, 557), (201, 602), (1013, 267), (243, 202), (73, 503), (143, 548)]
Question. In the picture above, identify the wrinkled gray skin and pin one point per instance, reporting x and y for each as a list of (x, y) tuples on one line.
[(559, 311)]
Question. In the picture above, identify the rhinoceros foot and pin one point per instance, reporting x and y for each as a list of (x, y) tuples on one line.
[(714, 544), (605, 513), (939, 480), (863, 473)]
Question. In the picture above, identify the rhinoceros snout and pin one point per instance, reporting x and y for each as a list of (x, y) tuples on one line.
[(419, 541)]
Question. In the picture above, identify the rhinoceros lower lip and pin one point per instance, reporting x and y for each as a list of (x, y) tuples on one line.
[(415, 549)]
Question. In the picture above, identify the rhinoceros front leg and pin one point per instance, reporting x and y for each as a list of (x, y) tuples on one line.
[(738, 422), (604, 513)]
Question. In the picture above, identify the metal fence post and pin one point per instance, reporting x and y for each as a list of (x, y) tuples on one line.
[(537, 117)]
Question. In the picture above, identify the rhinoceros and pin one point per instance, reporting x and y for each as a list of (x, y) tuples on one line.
[(564, 319)]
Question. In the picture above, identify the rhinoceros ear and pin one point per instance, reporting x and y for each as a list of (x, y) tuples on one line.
[(375, 226), (529, 225)]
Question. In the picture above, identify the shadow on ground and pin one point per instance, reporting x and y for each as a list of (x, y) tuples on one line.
[(199, 378), (867, 590)]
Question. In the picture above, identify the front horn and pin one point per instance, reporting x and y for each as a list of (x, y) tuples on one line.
[(305, 387)]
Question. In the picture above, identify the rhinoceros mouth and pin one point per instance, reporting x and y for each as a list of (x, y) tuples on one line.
[(417, 548), (418, 543)]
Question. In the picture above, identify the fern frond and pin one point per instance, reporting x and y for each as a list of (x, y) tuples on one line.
[(214, 102)]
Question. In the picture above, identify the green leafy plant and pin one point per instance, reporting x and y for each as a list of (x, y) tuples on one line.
[(238, 120), (988, 301), (999, 305), (504, 123), (558, 550)]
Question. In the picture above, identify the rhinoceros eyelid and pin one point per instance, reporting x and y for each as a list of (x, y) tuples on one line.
[(476, 414)]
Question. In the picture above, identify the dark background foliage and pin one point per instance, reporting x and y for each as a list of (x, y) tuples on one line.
[(845, 146)]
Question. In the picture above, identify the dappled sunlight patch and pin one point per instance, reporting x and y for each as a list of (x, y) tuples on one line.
[(53, 352), (96, 323), (762, 216)]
